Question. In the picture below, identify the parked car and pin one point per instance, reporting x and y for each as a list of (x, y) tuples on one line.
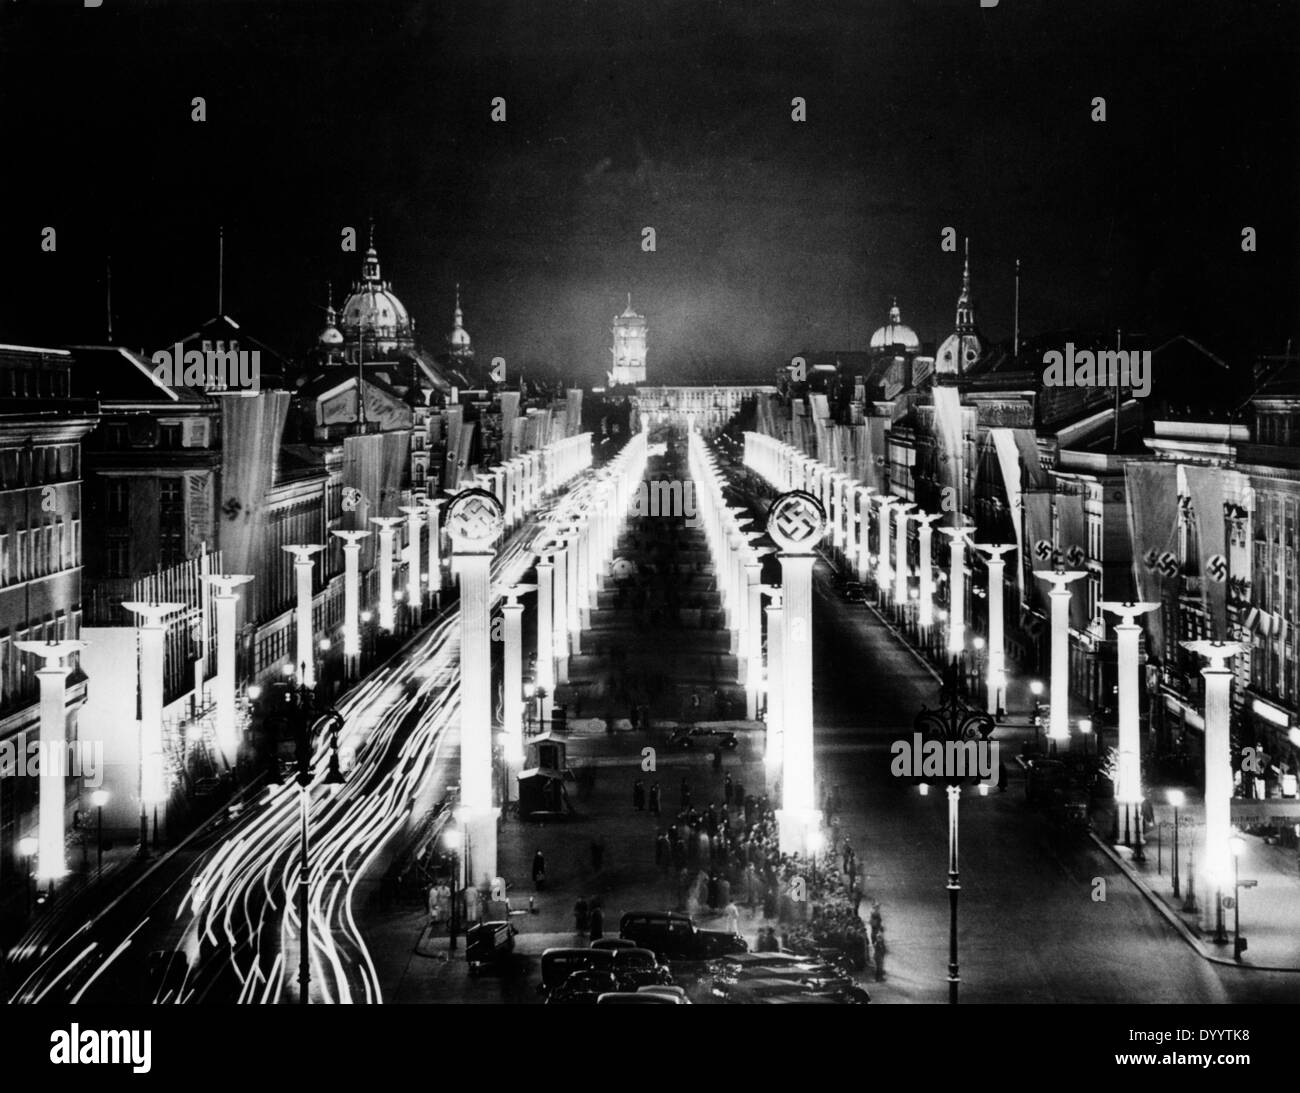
[(672, 936), (613, 943), (559, 964), (703, 738), (635, 998), (583, 989), (636, 968), (782, 990)]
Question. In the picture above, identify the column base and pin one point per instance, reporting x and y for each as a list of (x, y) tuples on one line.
[(480, 826), (561, 670), (797, 827), (584, 617)]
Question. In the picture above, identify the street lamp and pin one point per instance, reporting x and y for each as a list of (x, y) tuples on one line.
[(452, 839), (1036, 689), (1085, 729), (27, 850), (1176, 798), (952, 725), (254, 692), (99, 799)]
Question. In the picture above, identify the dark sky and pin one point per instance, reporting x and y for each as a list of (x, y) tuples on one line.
[(772, 236)]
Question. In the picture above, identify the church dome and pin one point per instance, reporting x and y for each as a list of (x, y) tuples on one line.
[(895, 333), (373, 311), (330, 336)]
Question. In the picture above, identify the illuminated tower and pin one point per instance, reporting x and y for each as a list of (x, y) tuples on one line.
[(628, 351)]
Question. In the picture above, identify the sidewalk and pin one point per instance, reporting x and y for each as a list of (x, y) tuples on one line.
[(1268, 910)]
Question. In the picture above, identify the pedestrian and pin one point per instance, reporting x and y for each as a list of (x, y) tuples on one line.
[(539, 870), (739, 795), (732, 913), (581, 915), (686, 795), (717, 758), (857, 899), (662, 850), (713, 891), (848, 852), (638, 795), (878, 951), (877, 924), (597, 922), (727, 789), (597, 854), (654, 797)]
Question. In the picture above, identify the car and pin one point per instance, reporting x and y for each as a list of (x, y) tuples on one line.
[(808, 971), (772, 990), (636, 968), (634, 998), (701, 737), (673, 936), (560, 963), (613, 943), (667, 990), (583, 989), (853, 592)]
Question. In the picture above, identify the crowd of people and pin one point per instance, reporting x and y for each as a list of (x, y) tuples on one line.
[(720, 857)]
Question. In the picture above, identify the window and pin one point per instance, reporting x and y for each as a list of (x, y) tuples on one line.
[(117, 555), (116, 495)]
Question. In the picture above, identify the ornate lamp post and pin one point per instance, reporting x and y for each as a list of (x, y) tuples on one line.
[(952, 725)]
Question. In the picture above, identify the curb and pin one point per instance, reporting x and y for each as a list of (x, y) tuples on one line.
[(1178, 924)]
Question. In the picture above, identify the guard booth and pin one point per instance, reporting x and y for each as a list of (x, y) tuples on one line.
[(541, 783)]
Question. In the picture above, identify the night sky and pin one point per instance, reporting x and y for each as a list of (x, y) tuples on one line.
[(772, 236)]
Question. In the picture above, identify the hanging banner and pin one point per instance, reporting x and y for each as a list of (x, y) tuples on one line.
[(1073, 524), (1151, 492), (573, 412), (509, 413), (1040, 548), (948, 430), (251, 430), (1008, 453), (1205, 487)]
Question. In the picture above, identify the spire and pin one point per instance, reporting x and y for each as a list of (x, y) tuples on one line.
[(330, 314), (895, 316), (370, 268), (458, 319), (965, 312)]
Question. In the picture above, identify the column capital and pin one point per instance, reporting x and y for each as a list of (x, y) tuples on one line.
[(514, 591), (351, 538), (153, 613), (957, 533), (385, 523), (1060, 577), (926, 519), (1127, 611), (994, 550), (302, 552), (412, 510), (51, 651), (226, 583), (1218, 653)]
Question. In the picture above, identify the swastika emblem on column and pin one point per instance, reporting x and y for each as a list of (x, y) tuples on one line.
[(796, 521), (474, 518), (1217, 569)]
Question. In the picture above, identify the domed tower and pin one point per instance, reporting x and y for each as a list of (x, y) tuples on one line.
[(628, 351), (459, 347), (894, 334), (964, 346), (373, 315)]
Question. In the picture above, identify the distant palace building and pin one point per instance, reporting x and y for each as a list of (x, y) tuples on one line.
[(628, 350)]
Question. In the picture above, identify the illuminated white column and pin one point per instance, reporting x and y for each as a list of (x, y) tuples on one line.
[(925, 568), (545, 634), (835, 484), (796, 523), (956, 589), (900, 553), (351, 600), (512, 683), (433, 508), (414, 588), (883, 569), (474, 520), (224, 603), (573, 588), (864, 534), (752, 648), (1059, 682), (560, 611), (774, 746), (152, 631), (997, 677), (850, 521), (586, 575), (1218, 760), (305, 663), (1128, 788), (51, 862), (387, 615)]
